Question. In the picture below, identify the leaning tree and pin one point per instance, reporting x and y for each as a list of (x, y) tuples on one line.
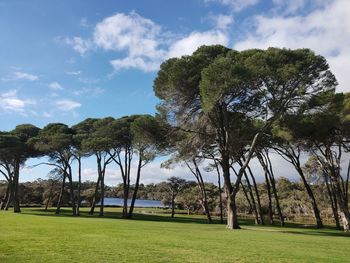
[(222, 84)]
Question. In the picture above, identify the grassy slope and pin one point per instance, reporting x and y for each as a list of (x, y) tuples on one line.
[(37, 236)]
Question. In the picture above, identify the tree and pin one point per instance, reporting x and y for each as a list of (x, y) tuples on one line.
[(326, 133), (148, 138), (230, 87), (174, 185), (97, 139), (56, 141), (15, 149)]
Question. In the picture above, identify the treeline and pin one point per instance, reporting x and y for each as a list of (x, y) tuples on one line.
[(292, 197), (219, 109)]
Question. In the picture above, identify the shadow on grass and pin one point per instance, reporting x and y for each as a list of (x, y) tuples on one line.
[(66, 212), (289, 228)]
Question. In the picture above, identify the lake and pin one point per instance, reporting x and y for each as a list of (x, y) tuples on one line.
[(138, 203)]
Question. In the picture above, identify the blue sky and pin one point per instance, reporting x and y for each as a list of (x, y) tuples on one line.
[(64, 61)]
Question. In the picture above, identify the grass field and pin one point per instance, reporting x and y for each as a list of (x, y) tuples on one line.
[(38, 236)]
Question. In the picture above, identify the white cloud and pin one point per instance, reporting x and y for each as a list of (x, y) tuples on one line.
[(67, 105), (325, 30), (289, 6), (143, 64), (23, 75), (139, 37), (190, 43), (222, 21), (235, 5), (79, 44), (144, 42), (55, 86), (9, 101)]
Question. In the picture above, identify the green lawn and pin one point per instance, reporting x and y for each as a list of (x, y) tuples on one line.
[(38, 236)]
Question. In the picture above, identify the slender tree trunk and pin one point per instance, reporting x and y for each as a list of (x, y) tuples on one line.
[(220, 193), (126, 183), (9, 198), (102, 205), (71, 190), (172, 205), (93, 205), (256, 216), (4, 199), (268, 186), (257, 196), (79, 186), (48, 201), (58, 208), (343, 207), (16, 202), (333, 202), (201, 185), (316, 211), (101, 174), (274, 191), (247, 198), (137, 183), (255, 210)]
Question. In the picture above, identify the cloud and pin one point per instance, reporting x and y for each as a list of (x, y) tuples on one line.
[(23, 75), (79, 44), (235, 5), (9, 101), (289, 6), (222, 21), (67, 105), (189, 44), (326, 30), (142, 44), (55, 86)]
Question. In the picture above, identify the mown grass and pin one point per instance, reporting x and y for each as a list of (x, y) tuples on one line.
[(38, 236)]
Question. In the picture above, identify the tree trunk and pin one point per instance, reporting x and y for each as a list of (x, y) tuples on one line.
[(4, 199), (48, 201), (220, 193), (257, 196), (316, 211), (137, 183), (79, 186), (333, 199), (343, 207), (273, 186), (71, 190), (93, 205), (268, 187), (16, 203), (247, 198), (58, 208), (9, 198), (232, 219), (101, 175), (201, 186), (172, 205), (256, 216), (102, 205)]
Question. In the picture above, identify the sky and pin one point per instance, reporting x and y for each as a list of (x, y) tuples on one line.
[(64, 61)]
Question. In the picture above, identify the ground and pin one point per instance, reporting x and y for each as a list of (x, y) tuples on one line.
[(38, 236)]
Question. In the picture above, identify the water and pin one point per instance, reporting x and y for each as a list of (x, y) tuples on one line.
[(138, 202)]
